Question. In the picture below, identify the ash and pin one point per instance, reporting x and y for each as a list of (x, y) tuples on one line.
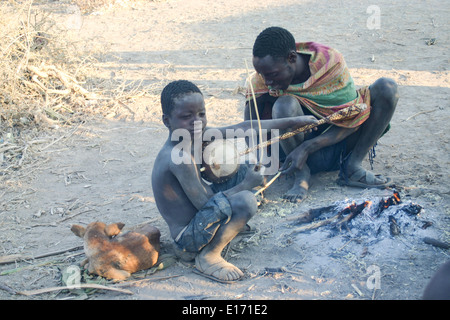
[(377, 222)]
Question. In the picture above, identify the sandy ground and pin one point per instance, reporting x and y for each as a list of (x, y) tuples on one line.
[(101, 169)]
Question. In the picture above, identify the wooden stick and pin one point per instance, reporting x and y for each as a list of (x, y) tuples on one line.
[(14, 257), (79, 286), (436, 243), (418, 113), (317, 224), (267, 184), (10, 258), (255, 105), (339, 115), (131, 283), (7, 289), (310, 215)]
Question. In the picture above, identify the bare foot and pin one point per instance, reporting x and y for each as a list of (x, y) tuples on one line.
[(215, 266), (299, 190), (295, 194)]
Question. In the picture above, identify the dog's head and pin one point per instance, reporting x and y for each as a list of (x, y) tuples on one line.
[(97, 229)]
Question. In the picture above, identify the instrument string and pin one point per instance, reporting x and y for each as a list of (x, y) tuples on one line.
[(255, 105)]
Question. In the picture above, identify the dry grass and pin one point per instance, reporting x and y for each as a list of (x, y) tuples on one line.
[(87, 6), (45, 82), (92, 5), (41, 73)]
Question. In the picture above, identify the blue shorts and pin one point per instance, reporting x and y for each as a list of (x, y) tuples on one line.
[(328, 158), (233, 181), (325, 159), (217, 211), (202, 228)]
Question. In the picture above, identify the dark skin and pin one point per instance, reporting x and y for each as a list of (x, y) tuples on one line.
[(180, 191), (279, 73)]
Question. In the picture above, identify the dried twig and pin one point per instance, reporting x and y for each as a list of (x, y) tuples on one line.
[(436, 243), (79, 286), (131, 283), (7, 289), (15, 257), (318, 224), (418, 113)]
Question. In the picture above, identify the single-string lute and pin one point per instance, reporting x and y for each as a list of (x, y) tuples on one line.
[(220, 166)]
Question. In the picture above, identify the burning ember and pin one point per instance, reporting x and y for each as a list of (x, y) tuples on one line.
[(376, 214)]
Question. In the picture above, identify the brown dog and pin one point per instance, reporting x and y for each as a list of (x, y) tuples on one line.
[(113, 255)]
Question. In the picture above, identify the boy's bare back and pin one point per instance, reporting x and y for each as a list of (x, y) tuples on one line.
[(173, 203)]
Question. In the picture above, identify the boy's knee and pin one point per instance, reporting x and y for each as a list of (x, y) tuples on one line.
[(385, 88), (286, 106), (244, 203)]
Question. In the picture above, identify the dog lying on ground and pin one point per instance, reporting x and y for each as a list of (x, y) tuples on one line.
[(114, 255)]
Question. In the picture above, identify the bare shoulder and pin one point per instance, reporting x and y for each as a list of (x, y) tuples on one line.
[(161, 164)]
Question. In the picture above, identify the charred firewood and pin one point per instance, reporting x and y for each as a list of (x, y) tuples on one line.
[(311, 214), (340, 216), (412, 209), (349, 213), (426, 224), (386, 203), (393, 226), (436, 243)]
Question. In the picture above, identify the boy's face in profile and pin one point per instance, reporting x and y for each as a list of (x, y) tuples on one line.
[(189, 113), (277, 73)]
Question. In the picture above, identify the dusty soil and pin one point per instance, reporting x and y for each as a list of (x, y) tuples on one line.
[(100, 169)]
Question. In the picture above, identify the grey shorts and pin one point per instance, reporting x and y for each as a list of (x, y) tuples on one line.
[(202, 228)]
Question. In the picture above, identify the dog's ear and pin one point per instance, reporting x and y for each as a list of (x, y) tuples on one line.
[(114, 229), (78, 230)]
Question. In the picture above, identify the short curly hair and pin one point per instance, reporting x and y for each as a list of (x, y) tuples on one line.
[(175, 90), (274, 41)]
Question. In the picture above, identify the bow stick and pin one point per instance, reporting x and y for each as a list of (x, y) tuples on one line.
[(347, 112), (255, 105)]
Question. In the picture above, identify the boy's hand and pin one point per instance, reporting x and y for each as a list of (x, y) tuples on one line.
[(253, 177), (302, 121), (294, 160)]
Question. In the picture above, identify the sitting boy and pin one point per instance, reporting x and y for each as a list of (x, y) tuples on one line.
[(294, 79), (202, 221)]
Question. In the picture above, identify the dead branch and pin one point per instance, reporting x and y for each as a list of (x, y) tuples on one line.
[(50, 72), (436, 243), (419, 113), (318, 224), (79, 286), (309, 215), (7, 289), (346, 214), (138, 282), (15, 257)]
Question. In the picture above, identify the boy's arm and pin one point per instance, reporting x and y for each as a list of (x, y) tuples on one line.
[(189, 178), (297, 158), (199, 193), (282, 123), (253, 178)]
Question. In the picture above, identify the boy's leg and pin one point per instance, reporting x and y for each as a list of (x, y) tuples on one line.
[(284, 107), (209, 260), (384, 97)]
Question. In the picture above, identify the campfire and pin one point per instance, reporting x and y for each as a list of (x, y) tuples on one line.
[(385, 214)]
